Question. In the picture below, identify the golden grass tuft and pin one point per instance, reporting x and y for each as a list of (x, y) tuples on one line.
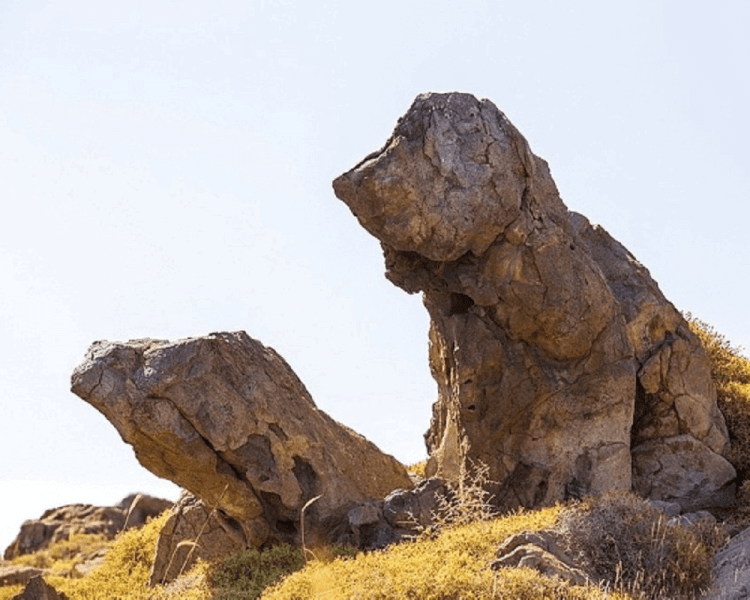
[(419, 469)]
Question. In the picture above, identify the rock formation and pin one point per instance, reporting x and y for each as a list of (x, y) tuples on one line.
[(227, 419), (559, 362), (58, 524)]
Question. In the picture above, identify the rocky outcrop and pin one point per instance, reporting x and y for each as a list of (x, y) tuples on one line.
[(403, 514), (559, 362), (227, 419), (60, 523)]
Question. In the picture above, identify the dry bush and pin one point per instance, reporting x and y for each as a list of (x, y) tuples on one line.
[(626, 544), (468, 500), (730, 370)]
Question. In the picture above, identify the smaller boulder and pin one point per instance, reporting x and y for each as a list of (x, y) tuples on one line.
[(194, 530), (368, 529), (39, 589), (410, 509), (539, 551)]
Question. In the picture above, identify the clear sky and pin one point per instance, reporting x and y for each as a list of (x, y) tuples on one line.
[(165, 171)]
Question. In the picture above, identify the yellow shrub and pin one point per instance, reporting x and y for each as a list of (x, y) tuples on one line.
[(455, 564), (730, 370), (8, 591)]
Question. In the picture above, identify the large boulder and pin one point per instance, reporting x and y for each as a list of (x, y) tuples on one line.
[(559, 362), (227, 419), (60, 523)]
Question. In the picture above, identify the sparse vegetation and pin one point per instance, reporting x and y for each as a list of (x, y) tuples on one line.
[(468, 501), (453, 564), (245, 575), (8, 591), (418, 469)]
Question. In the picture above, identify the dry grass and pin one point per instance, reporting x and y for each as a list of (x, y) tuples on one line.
[(418, 469)]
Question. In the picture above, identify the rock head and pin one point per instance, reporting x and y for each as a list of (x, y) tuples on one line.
[(227, 419), (559, 362)]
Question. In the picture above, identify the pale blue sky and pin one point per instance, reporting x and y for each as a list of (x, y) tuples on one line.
[(165, 171)]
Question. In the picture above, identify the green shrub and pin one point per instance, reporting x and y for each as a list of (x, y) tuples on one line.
[(245, 575)]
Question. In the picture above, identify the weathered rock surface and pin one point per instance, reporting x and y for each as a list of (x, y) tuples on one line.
[(559, 362), (732, 570), (227, 419), (60, 523)]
